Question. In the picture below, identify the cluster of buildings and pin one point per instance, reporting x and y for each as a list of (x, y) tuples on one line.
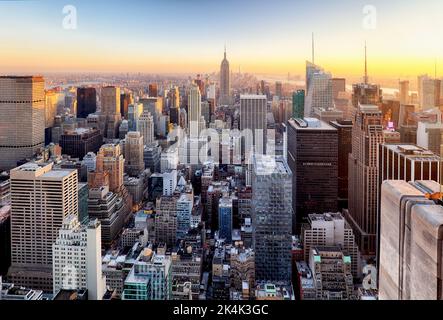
[(110, 192)]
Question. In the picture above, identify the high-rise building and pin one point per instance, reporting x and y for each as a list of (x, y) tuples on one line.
[(110, 100), (86, 102), (110, 109), (145, 125), (405, 162), (279, 89), (410, 252), (319, 94), (194, 111), (51, 103), (313, 159), (366, 94), (311, 69), (125, 101), (344, 128), (253, 111), (298, 104), (41, 197), (134, 112), (367, 133), (169, 182), (133, 154), (429, 92), (110, 209), (166, 220), (76, 256), (225, 82), (109, 162), (153, 90), (331, 229), (430, 133), (78, 142), (184, 211), (404, 92), (272, 218), (338, 85), (22, 124), (225, 213), (151, 156)]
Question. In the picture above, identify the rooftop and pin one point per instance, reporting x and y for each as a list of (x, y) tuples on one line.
[(310, 124)]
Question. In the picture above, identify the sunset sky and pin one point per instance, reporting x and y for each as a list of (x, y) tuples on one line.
[(184, 36)]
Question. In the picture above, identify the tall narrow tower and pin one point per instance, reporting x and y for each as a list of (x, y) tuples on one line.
[(225, 81), (367, 134)]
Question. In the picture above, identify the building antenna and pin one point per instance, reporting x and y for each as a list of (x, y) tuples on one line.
[(225, 50), (435, 69), (366, 65), (313, 49)]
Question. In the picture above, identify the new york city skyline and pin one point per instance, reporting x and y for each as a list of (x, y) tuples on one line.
[(240, 152)]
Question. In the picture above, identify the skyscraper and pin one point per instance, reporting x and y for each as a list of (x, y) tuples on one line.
[(77, 143), (410, 251), (406, 162), (344, 128), (110, 162), (404, 92), (272, 218), (184, 211), (76, 257), (279, 89), (298, 104), (41, 198), (313, 159), (367, 133), (153, 90), (338, 85), (253, 111), (366, 93), (110, 100), (319, 93), (110, 108), (145, 125), (133, 150), (225, 82), (22, 120), (429, 92), (125, 101), (194, 111), (166, 220), (86, 102)]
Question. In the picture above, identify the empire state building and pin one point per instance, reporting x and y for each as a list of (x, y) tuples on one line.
[(225, 82)]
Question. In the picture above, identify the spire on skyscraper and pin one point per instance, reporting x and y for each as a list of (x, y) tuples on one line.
[(366, 65), (313, 49)]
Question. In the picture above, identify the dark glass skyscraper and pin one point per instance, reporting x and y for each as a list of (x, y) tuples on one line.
[(86, 102), (313, 159)]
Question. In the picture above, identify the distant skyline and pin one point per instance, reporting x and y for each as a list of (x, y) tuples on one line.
[(264, 37)]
